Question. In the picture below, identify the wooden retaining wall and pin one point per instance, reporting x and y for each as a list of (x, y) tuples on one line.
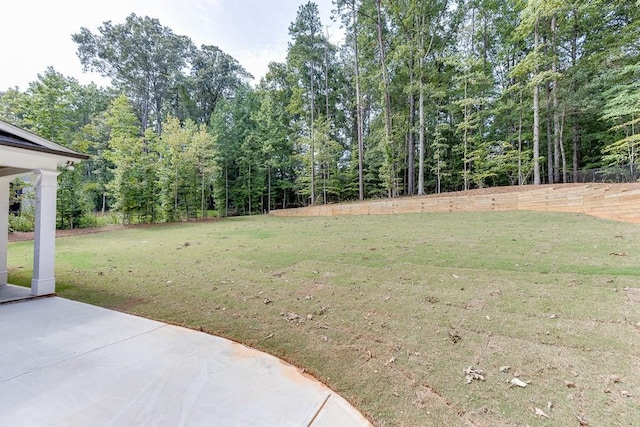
[(612, 201)]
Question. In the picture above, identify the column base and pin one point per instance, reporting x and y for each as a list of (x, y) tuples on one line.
[(43, 287), (4, 277)]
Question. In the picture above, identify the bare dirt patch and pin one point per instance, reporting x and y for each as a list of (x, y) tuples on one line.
[(633, 294), (18, 236)]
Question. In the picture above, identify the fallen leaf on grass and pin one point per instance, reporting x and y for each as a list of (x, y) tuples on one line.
[(505, 368), (569, 384), (539, 412), (268, 336), (472, 373), (619, 253), (625, 393), (581, 421), (292, 317), (266, 301), (518, 382), (454, 337), (390, 361), (613, 379), (320, 312)]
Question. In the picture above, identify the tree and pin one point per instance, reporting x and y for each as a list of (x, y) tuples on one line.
[(130, 160), (201, 152), (51, 103), (350, 16), (623, 110), (215, 75), (387, 143), (143, 58), (272, 128), (304, 55), (12, 106), (237, 159)]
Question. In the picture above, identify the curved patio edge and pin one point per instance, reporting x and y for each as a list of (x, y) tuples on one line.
[(78, 364)]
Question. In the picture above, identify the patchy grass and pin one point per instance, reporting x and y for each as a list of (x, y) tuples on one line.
[(389, 310)]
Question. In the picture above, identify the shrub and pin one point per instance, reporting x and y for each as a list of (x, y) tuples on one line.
[(23, 221)]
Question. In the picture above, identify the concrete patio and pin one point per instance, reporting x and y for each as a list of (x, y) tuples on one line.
[(66, 363)]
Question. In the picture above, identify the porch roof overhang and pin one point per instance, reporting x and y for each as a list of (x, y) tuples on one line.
[(22, 152)]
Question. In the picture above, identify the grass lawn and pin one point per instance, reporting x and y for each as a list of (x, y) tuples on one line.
[(389, 310)]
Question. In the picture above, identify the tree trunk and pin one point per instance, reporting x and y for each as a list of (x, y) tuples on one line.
[(387, 105), (536, 119), (575, 130), (550, 157), (411, 143), (358, 105), (202, 204), (226, 190), (576, 148), (268, 188), (175, 196), (422, 153), (421, 138), (556, 113), (313, 143), (562, 153), (520, 174), (326, 76), (465, 159)]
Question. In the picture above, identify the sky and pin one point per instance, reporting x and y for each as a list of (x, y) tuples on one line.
[(35, 34)]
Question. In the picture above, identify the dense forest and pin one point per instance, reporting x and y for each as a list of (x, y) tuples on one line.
[(422, 96)]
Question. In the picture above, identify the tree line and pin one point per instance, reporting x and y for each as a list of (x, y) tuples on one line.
[(420, 97)]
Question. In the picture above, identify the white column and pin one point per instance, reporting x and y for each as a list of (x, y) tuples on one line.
[(4, 228), (44, 245)]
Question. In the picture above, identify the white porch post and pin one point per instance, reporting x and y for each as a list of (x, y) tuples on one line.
[(4, 228), (44, 282)]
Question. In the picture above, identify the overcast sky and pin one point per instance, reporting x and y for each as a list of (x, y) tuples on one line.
[(35, 34)]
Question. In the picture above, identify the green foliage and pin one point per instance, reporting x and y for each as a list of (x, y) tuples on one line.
[(448, 107), (185, 170), (129, 153), (141, 56), (24, 221), (161, 72), (622, 108), (73, 203)]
